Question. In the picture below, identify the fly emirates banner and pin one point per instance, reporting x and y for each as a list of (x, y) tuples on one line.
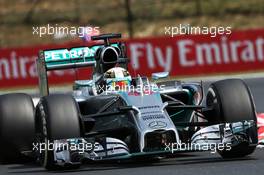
[(182, 55)]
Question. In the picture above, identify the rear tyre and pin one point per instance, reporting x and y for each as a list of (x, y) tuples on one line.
[(17, 126), (57, 118), (231, 101)]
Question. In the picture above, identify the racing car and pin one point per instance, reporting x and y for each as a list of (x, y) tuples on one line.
[(114, 116)]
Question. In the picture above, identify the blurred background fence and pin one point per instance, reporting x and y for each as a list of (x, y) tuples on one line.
[(131, 17)]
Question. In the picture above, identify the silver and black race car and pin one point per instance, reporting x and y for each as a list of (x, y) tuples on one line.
[(114, 116)]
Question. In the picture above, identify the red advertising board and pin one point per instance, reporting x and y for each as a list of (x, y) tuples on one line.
[(182, 55)]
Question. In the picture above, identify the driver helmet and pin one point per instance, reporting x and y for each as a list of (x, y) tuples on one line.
[(117, 78)]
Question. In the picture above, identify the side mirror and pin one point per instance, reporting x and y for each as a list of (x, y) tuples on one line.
[(159, 75)]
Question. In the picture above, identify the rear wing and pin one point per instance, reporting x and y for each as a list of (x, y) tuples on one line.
[(66, 59), (58, 59)]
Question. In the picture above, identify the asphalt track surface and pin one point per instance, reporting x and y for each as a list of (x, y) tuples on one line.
[(186, 163)]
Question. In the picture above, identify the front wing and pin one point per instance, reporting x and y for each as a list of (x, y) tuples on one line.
[(211, 138)]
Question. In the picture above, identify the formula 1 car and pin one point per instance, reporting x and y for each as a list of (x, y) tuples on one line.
[(115, 116)]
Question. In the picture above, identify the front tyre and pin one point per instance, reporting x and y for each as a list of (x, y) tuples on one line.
[(231, 101), (57, 118)]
